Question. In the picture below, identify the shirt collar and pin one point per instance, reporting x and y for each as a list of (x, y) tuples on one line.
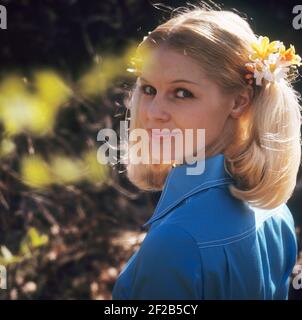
[(179, 185)]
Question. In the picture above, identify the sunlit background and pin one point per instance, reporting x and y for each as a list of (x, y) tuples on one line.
[(67, 223)]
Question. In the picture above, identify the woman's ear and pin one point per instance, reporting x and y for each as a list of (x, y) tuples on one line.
[(241, 102)]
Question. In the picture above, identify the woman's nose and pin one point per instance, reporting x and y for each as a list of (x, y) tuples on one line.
[(157, 110)]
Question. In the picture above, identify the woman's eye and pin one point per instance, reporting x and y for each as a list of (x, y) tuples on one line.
[(148, 90), (184, 93), (179, 92)]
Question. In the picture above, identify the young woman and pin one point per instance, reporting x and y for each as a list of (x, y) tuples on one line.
[(227, 232)]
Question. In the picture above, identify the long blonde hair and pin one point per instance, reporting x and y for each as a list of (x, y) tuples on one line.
[(262, 148)]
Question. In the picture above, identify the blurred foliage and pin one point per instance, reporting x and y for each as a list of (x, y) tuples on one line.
[(63, 78), (34, 111), (61, 82), (32, 240), (38, 173)]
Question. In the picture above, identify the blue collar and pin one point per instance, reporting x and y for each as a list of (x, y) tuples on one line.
[(179, 185)]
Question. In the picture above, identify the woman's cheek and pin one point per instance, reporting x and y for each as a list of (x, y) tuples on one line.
[(213, 133)]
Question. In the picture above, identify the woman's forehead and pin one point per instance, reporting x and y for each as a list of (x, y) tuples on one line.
[(170, 65)]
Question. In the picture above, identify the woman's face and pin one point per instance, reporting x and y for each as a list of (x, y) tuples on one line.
[(175, 93)]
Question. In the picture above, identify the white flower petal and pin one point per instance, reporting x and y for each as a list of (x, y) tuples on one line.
[(258, 75)]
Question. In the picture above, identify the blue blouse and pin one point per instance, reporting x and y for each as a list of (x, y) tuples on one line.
[(203, 243)]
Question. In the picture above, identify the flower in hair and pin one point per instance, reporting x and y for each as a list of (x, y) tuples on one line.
[(271, 61)]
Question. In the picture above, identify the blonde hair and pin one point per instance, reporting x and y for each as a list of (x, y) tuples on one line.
[(262, 148)]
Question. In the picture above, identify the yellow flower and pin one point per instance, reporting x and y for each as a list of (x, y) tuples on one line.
[(290, 55), (262, 48)]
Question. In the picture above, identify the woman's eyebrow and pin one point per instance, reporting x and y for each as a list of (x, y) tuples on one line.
[(175, 81)]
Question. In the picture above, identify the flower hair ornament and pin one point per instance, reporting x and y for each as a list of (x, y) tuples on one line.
[(271, 61)]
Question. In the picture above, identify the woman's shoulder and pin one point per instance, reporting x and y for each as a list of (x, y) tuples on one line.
[(277, 228), (189, 253), (212, 215), (215, 217), (280, 215)]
